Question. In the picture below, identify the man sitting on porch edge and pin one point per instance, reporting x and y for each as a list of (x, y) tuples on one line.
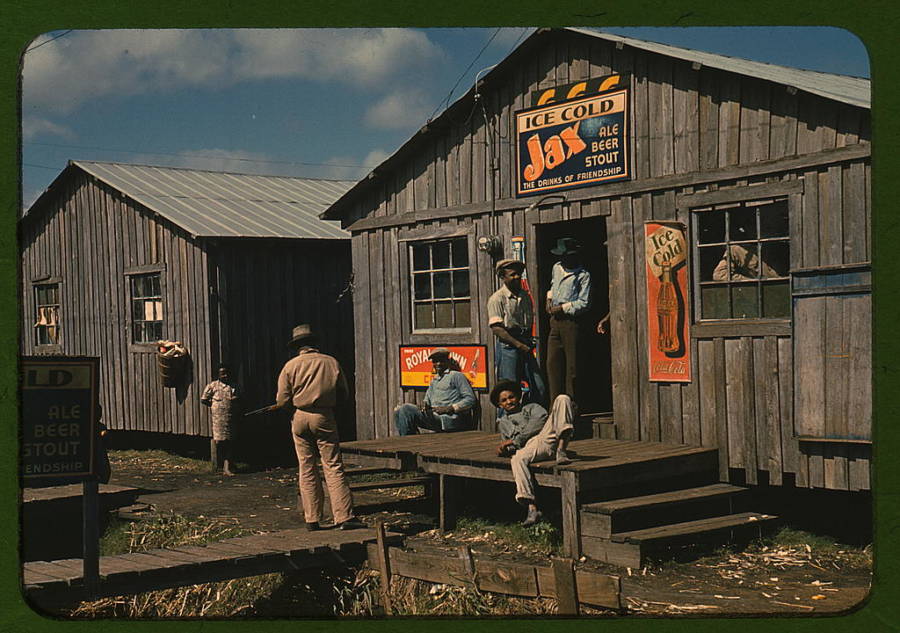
[(448, 401), (530, 435)]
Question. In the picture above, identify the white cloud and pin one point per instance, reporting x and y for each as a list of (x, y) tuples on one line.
[(402, 109), (35, 126), (88, 65)]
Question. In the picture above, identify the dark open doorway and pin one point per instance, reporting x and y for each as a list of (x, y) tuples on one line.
[(594, 388)]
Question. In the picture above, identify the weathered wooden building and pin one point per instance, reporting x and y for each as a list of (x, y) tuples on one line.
[(116, 257), (734, 150)]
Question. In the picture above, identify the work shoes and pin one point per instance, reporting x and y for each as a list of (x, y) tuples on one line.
[(312, 526), (533, 517), (353, 524)]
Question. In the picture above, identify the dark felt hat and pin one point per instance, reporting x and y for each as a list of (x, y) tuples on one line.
[(509, 263), (301, 333), (566, 246), (504, 385), (440, 352)]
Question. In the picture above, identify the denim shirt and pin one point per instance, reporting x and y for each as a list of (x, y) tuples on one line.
[(570, 288), (522, 425), (450, 389)]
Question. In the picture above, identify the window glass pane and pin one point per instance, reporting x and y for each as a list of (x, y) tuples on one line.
[(744, 261), (53, 294), (744, 301), (40, 295), (776, 300), (155, 285), (424, 319), (714, 301), (711, 227), (440, 255), (137, 310), (710, 256), (773, 220), (422, 285), (138, 329), (137, 287), (156, 331), (442, 285), (443, 314), (463, 314), (420, 257), (775, 259), (741, 224), (460, 253), (461, 283)]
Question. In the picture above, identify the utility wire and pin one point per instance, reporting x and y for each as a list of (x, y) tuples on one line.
[(191, 155), (36, 46), (468, 68)]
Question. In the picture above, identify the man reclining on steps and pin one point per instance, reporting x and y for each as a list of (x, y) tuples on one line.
[(531, 435)]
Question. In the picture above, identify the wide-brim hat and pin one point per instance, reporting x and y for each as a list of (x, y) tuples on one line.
[(440, 352), (504, 385), (509, 263), (566, 246), (301, 333)]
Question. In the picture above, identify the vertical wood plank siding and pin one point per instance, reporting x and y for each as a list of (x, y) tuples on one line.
[(89, 240), (743, 397)]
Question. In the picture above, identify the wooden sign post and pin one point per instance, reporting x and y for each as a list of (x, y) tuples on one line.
[(59, 438)]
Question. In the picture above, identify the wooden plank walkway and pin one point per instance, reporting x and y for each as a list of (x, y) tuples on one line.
[(596, 463), (49, 583), (111, 495)]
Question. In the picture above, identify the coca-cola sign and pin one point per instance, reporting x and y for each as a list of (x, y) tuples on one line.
[(668, 338)]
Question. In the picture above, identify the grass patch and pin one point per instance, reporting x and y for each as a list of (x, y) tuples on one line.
[(542, 535), (158, 461)]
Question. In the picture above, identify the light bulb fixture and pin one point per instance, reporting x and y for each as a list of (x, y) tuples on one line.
[(489, 244)]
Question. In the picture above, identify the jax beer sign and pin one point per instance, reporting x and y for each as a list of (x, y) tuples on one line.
[(667, 301), (416, 369), (574, 143), (59, 416)]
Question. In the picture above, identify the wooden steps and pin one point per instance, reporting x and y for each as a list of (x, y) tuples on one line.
[(390, 483), (625, 531)]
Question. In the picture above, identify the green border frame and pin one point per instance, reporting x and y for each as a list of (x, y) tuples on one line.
[(874, 23)]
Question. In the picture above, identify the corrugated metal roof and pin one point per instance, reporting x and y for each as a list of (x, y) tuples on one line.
[(218, 204), (852, 90)]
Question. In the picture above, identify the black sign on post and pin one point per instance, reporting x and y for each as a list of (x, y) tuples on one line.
[(59, 417), (59, 434)]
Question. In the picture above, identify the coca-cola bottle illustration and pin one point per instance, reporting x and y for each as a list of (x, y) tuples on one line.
[(667, 312)]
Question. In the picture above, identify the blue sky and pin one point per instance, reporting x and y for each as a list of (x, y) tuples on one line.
[(315, 103)]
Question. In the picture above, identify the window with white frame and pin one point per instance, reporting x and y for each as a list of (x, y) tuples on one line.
[(146, 308), (742, 252), (440, 284), (46, 307)]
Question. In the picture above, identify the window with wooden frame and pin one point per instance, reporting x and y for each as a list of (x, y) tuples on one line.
[(742, 260), (46, 307), (439, 271), (146, 308)]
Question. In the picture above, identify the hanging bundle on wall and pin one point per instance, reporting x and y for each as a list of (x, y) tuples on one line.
[(171, 359)]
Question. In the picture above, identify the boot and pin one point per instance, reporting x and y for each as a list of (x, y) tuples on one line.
[(534, 515), (561, 456)]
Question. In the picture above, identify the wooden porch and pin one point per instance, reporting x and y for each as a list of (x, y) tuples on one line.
[(600, 468)]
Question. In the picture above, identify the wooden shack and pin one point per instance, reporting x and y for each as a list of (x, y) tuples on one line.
[(779, 378), (116, 257)]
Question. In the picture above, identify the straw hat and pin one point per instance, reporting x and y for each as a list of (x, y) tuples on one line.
[(301, 333)]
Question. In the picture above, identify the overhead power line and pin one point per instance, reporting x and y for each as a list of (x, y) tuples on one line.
[(36, 46), (194, 155), (446, 99)]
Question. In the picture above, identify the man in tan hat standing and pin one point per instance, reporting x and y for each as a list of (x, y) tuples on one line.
[(510, 317), (313, 383)]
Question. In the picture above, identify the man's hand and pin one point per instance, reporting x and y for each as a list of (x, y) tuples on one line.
[(554, 310), (505, 448), (523, 347), (549, 306), (443, 410), (602, 325)]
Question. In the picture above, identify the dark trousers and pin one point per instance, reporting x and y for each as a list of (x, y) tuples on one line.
[(562, 357)]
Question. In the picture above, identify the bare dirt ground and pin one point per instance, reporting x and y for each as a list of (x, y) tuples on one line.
[(779, 578)]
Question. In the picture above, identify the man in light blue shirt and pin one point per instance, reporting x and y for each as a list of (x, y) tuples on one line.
[(448, 401), (568, 300)]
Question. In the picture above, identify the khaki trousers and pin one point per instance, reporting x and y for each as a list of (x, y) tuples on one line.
[(541, 447), (562, 357), (315, 438)]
